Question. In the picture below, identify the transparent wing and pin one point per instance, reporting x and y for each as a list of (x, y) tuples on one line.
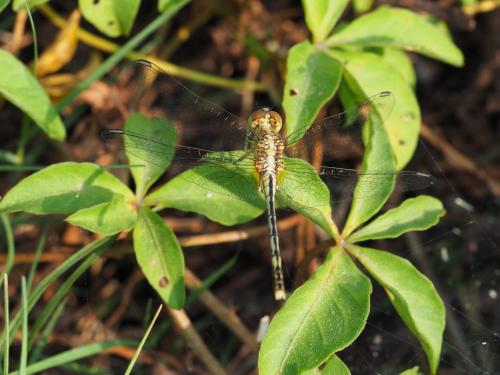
[(342, 127), (157, 151), (342, 181), (198, 118)]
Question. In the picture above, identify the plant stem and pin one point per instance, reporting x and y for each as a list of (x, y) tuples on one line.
[(107, 46)]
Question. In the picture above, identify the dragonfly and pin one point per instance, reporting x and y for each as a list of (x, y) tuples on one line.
[(264, 150)]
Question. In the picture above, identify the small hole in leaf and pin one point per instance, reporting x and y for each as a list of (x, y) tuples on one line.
[(111, 23), (95, 2), (294, 92), (163, 283), (401, 142)]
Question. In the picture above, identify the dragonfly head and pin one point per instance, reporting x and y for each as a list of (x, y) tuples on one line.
[(266, 121)]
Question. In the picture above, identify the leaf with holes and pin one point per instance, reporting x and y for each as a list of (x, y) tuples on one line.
[(160, 257), (312, 79), (112, 17)]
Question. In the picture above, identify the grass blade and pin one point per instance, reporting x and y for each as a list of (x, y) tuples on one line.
[(24, 338), (11, 250), (74, 354), (97, 246), (6, 323), (143, 341)]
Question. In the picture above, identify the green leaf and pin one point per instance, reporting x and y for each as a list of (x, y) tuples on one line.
[(312, 79), (322, 15), (400, 28), (160, 257), (400, 61), (225, 194), (75, 354), (63, 188), (126, 11), (321, 317), (377, 157), (412, 294), (313, 201), (368, 74), (171, 5), (21, 4), (23, 90), (118, 215), (3, 4), (148, 165), (418, 213), (412, 371), (335, 366), (112, 17), (362, 6)]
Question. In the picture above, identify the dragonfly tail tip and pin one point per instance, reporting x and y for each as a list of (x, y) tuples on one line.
[(279, 295)]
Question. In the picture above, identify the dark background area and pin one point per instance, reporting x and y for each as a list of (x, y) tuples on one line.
[(459, 146)]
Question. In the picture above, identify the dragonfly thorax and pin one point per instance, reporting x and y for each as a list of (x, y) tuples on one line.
[(269, 151), (265, 121)]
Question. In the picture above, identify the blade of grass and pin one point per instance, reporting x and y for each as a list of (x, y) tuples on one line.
[(107, 46), (36, 259), (24, 337), (6, 323), (195, 342), (112, 60), (98, 246), (8, 157), (193, 296), (75, 354), (141, 344), (81, 369), (212, 278), (11, 250), (49, 308), (147, 312), (35, 39), (36, 352), (26, 128)]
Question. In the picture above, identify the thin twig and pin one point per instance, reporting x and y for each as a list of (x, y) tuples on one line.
[(195, 342), (237, 235), (226, 316), (310, 255), (187, 241), (458, 159), (16, 43)]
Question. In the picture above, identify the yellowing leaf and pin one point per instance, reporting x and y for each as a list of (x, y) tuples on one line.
[(62, 50)]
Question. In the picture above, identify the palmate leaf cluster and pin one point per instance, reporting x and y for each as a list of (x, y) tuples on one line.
[(327, 313)]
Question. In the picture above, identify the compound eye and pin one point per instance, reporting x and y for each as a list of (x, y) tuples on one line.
[(276, 117), (258, 114)]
